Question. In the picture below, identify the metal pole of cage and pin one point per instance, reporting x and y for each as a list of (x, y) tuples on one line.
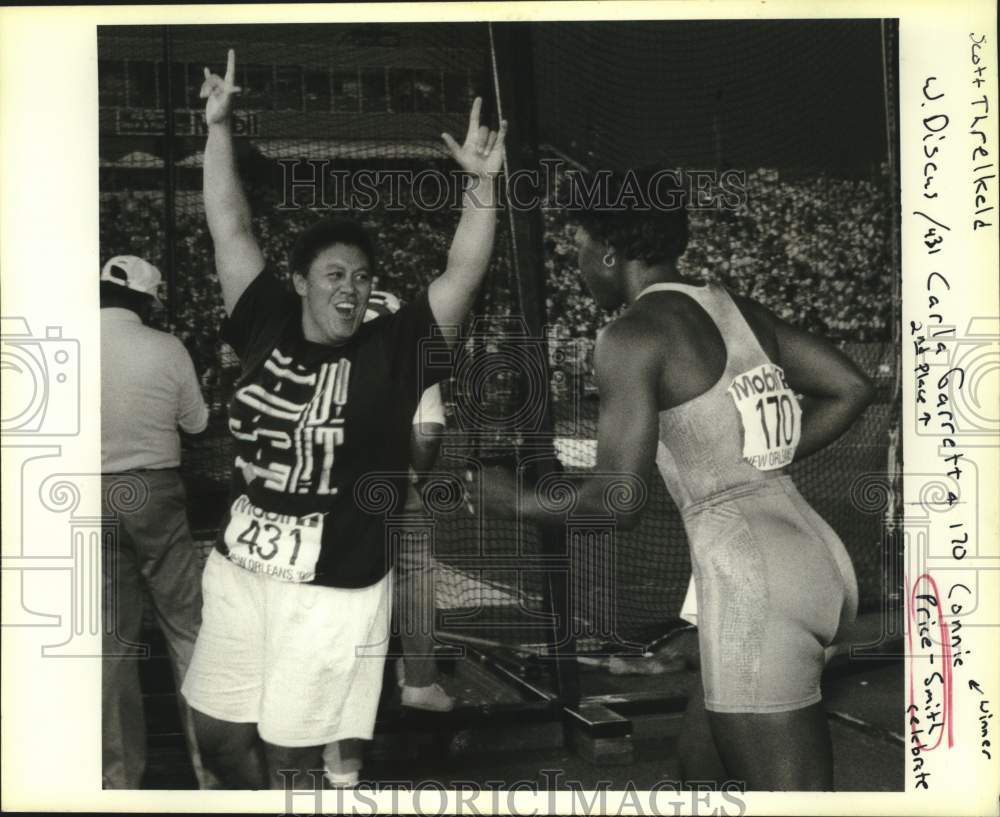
[(511, 61), (169, 179), (893, 560)]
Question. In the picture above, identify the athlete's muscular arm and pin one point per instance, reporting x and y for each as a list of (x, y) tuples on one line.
[(238, 258), (627, 368), (835, 391), (425, 442), (452, 294)]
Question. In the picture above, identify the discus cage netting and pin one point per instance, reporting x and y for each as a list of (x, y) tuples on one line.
[(810, 240)]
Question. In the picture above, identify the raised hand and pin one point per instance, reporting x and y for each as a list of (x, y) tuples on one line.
[(482, 153), (219, 92)]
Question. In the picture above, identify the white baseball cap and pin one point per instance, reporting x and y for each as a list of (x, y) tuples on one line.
[(133, 273)]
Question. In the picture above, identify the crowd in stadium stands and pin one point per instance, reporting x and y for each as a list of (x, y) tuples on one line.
[(816, 251)]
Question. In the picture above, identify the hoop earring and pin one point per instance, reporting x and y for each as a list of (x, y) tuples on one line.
[(609, 259)]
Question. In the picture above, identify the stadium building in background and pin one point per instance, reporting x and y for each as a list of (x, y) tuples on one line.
[(350, 93)]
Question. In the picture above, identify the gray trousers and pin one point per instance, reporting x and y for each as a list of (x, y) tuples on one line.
[(413, 605), (145, 548)]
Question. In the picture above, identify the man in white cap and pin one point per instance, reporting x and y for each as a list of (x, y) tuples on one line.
[(149, 389)]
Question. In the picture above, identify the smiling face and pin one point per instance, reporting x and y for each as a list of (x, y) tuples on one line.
[(334, 294), (603, 281)]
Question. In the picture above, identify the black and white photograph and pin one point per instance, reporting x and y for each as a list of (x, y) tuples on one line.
[(513, 413)]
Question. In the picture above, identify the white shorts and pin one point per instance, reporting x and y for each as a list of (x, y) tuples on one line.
[(302, 661)]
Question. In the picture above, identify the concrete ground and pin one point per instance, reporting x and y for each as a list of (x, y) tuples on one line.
[(498, 733)]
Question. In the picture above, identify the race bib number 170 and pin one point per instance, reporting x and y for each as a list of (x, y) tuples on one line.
[(282, 546), (771, 417)]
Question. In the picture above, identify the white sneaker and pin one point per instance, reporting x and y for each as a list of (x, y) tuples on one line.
[(431, 698), (347, 780)]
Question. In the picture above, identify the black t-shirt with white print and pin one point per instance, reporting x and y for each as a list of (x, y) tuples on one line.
[(314, 427)]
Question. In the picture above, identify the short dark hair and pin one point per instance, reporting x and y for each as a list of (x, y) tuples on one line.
[(117, 296), (326, 233), (641, 213)]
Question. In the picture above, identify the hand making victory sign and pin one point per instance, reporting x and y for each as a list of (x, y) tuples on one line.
[(219, 92)]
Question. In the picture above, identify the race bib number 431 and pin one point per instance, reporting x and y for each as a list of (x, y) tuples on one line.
[(282, 546), (771, 417)]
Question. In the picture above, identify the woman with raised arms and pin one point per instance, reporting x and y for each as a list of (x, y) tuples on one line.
[(296, 592)]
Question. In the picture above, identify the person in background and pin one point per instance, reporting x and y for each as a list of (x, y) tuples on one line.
[(149, 390), (416, 671), (413, 602)]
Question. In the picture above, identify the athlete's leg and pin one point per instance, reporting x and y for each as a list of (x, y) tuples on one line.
[(299, 767), (225, 675), (698, 757), (342, 760), (772, 612), (778, 751), (232, 751), (326, 648)]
